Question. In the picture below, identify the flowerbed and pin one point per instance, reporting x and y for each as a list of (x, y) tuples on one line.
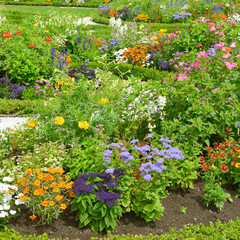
[(106, 145)]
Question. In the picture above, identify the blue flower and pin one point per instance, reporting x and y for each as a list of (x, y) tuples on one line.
[(147, 177)]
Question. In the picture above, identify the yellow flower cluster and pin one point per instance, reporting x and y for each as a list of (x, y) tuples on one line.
[(162, 31), (64, 82), (59, 120), (142, 17), (83, 125), (104, 100), (32, 124)]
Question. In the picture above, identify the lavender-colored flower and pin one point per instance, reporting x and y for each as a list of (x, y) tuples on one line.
[(150, 136), (110, 170), (133, 141), (107, 153), (147, 177)]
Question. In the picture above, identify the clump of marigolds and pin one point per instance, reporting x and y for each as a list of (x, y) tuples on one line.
[(46, 192)]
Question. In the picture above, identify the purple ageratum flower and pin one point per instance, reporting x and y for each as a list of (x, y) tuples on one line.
[(165, 140), (159, 160), (238, 125), (107, 153), (149, 156), (110, 170), (147, 177), (133, 141), (150, 136), (116, 145)]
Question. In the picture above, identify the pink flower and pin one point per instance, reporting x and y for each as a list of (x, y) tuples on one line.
[(198, 20), (172, 35), (233, 21), (212, 29), (199, 45), (216, 33), (233, 45), (216, 89), (222, 34), (181, 64), (202, 54), (197, 89), (221, 44), (196, 65), (226, 56), (181, 77), (211, 24), (230, 66), (176, 66)]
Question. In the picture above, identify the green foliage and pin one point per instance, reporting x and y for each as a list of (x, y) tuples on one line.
[(95, 214), (10, 106)]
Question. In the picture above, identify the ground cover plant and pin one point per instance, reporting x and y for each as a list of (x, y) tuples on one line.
[(124, 115)]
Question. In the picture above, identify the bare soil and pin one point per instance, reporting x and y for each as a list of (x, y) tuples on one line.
[(197, 212)]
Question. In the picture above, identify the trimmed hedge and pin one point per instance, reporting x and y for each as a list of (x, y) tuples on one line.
[(29, 3), (217, 231), (125, 70), (19, 107)]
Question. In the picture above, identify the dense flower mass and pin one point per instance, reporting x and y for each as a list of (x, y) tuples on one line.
[(83, 125), (59, 120)]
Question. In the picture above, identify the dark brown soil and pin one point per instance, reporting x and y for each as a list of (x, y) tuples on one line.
[(196, 213)]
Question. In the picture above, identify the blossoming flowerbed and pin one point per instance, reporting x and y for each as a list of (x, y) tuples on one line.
[(103, 146)]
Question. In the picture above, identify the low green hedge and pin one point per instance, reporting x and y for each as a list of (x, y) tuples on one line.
[(18, 107), (125, 70), (218, 231), (29, 3)]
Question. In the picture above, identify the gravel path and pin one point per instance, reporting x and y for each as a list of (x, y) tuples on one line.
[(11, 122)]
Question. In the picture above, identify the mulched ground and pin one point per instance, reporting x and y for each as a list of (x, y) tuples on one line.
[(196, 213)]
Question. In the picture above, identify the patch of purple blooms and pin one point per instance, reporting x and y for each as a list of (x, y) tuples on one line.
[(84, 70), (83, 185), (14, 89)]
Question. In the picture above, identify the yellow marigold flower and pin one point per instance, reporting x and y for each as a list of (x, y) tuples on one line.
[(59, 171), (67, 177), (46, 188), (69, 185), (237, 165), (51, 203), (10, 191), (83, 125), (59, 120), (59, 197), (46, 31), (40, 175), (104, 100), (37, 183), (32, 124), (62, 185), (45, 203), (63, 206), (35, 170), (36, 24)]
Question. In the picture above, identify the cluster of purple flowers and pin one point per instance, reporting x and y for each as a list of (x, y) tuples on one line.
[(212, 51), (104, 9), (146, 168), (83, 70), (107, 182), (14, 89), (177, 16), (163, 66), (110, 45)]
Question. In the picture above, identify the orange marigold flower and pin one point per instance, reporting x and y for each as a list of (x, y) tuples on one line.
[(67, 177), (51, 203), (69, 185), (40, 175), (59, 171), (45, 203), (53, 184), (7, 35), (71, 194), (28, 171), (59, 197), (63, 206), (46, 188), (33, 217), (26, 191), (62, 185), (51, 170), (224, 168), (37, 183), (56, 189), (9, 191), (18, 32), (22, 197), (35, 170)]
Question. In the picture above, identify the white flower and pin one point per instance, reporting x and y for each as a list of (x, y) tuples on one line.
[(1, 207), (18, 202), (6, 206), (7, 179), (12, 212), (3, 214)]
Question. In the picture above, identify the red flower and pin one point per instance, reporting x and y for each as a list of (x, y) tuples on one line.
[(205, 166), (215, 155), (32, 46), (7, 35), (222, 155), (47, 39), (202, 159), (233, 163), (18, 32), (208, 148), (224, 168), (6, 32)]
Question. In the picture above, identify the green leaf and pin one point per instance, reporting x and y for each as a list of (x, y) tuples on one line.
[(97, 206), (149, 207)]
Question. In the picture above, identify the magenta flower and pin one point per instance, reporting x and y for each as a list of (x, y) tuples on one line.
[(212, 29), (233, 45)]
